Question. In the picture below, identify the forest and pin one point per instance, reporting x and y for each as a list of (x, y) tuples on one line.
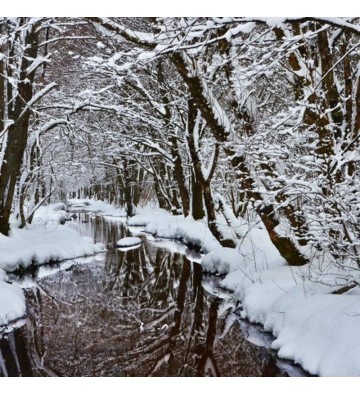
[(249, 127)]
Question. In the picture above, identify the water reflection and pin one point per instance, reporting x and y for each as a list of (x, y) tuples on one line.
[(141, 312), (14, 359)]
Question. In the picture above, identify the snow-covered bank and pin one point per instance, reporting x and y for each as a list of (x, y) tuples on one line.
[(12, 301), (42, 242), (95, 206), (50, 215), (41, 245), (313, 326), (129, 242), (162, 224)]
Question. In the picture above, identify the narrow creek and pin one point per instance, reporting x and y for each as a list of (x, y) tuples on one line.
[(148, 311)]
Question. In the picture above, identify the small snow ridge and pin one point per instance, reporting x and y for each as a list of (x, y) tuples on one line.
[(12, 304), (129, 242)]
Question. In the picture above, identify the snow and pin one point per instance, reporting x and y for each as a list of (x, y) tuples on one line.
[(128, 242), (147, 55), (12, 304), (321, 334), (312, 326), (3, 275), (187, 230), (96, 206), (40, 245), (51, 214), (275, 22), (241, 28), (44, 241), (253, 253)]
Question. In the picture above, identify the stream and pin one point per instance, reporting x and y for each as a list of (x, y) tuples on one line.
[(146, 311)]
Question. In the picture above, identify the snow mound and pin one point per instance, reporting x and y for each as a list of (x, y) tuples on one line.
[(254, 253), (312, 326), (187, 230), (97, 206), (51, 214), (40, 245), (321, 333), (12, 302), (3, 275), (223, 261), (145, 216), (128, 242)]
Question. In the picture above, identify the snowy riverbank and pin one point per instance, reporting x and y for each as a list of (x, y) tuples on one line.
[(313, 326), (12, 301), (44, 241), (95, 206)]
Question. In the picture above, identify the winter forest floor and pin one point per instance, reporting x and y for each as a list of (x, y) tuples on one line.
[(313, 324)]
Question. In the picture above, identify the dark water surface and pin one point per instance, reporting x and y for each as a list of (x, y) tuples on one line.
[(148, 311)]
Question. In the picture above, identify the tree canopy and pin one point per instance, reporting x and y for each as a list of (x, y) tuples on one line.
[(241, 118)]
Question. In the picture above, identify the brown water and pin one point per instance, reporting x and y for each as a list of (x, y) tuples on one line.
[(148, 311)]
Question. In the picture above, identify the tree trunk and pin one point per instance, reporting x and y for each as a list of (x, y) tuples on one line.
[(19, 113), (197, 202), (128, 190), (175, 151)]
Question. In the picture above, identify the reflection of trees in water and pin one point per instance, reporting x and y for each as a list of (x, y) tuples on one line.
[(164, 290), (14, 360)]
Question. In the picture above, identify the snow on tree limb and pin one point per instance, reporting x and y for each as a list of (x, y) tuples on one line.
[(38, 96)]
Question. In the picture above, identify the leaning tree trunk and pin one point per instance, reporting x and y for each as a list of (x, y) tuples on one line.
[(204, 185), (285, 245)]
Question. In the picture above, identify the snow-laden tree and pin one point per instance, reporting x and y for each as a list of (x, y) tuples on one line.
[(36, 90), (252, 119), (20, 91)]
